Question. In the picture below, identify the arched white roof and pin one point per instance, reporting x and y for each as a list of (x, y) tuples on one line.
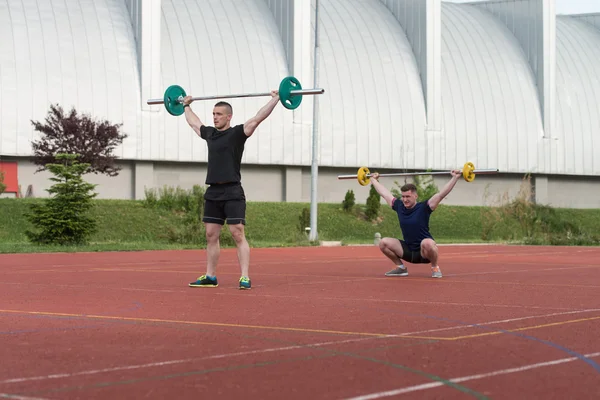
[(75, 53), (578, 93), (374, 112), (214, 47), (491, 109), (83, 54)]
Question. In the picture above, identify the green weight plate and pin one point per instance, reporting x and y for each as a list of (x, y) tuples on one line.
[(285, 87), (172, 104)]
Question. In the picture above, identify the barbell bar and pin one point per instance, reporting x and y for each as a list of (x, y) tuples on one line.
[(290, 96), (468, 172)]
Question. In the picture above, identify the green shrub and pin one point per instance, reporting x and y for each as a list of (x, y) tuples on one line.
[(176, 199), (522, 220), (188, 205), (349, 201), (2, 185), (425, 184), (373, 204), (304, 220), (64, 218)]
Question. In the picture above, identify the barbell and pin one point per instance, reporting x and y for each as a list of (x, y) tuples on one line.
[(468, 172), (290, 96)]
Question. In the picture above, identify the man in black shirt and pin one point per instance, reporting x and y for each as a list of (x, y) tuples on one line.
[(224, 200)]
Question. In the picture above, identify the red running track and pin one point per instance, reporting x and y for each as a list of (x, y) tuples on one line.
[(320, 323)]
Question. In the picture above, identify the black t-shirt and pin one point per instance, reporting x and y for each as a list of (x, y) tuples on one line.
[(225, 149)]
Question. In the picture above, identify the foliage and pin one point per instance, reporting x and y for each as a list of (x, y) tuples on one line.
[(349, 201), (63, 218), (304, 220), (524, 221), (177, 199), (93, 141), (425, 184), (2, 185), (188, 207), (373, 204), (130, 225)]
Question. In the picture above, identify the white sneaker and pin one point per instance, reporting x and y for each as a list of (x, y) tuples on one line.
[(436, 272)]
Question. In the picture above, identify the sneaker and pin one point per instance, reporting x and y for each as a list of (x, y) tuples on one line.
[(436, 272), (205, 281), (245, 283), (398, 271)]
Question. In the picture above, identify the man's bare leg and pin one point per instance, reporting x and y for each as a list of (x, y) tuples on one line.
[(243, 249), (213, 248), (392, 249), (429, 250)]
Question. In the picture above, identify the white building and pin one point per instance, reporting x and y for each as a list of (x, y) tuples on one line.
[(410, 85)]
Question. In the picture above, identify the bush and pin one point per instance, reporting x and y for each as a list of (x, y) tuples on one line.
[(188, 204), (425, 184), (2, 185), (373, 204), (304, 220), (349, 201), (94, 141), (524, 221), (176, 199), (63, 219)]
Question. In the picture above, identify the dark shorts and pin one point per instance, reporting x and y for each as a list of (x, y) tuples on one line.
[(411, 256), (225, 203)]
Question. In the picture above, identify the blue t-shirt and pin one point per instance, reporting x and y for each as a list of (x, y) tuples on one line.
[(414, 222)]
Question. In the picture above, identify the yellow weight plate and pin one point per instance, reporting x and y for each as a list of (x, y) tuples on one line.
[(468, 173), (362, 177)]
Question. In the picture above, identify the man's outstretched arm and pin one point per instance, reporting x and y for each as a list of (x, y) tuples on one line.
[(192, 119), (251, 125), (382, 190), (435, 200)]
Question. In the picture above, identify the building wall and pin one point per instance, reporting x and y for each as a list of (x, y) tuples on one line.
[(283, 13), (119, 187), (573, 192), (578, 100), (292, 184), (105, 57), (532, 22), (492, 115)]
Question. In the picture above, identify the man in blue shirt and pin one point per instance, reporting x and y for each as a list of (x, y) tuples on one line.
[(418, 246)]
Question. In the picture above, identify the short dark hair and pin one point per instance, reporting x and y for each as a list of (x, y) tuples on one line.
[(225, 104), (409, 187)]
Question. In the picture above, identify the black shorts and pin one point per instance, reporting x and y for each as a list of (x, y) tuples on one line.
[(225, 203), (414, 257)]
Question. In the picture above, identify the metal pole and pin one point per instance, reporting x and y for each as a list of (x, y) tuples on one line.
[(314, 236), (301, 92)]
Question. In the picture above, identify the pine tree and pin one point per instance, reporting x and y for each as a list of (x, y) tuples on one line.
[(64, 217)]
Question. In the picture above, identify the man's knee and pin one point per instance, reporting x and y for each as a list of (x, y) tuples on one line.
[(213, 232), (428, 246), (391, 245), (385, 243), (237, 232)]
